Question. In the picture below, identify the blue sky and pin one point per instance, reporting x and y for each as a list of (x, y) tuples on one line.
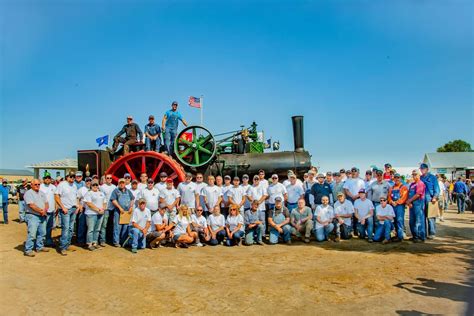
[(377, 81)]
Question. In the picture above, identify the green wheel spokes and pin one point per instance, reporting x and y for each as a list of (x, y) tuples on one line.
[(195, 146)]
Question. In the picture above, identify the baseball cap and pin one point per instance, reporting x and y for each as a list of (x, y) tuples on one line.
[(290, 172), (47, 176), (121, 180), (95, 177), (312, 172), (355, 169), (329, 173), (292, 175), (336, 174), (342, 171), (4, 180), (340, 194), (71, 174), (362, 191), (88, 179), (261, 170), (130, 117), (236, 178), (94, 182), (320, 175), (174, 103), (255, 177), (151, 117), (150, 181), (245, 176), (169, 180), (141, 201), (78, 173), (227, 177), (163, 174), (368, 172), (127, 175), (396, 175), (278, 199), (423, 166), (189, 175), (379, 172), (387, 165), (134, 181), (274, 176)]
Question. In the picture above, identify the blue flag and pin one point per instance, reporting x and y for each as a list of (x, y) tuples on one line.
[(104, 140), (269, 142)]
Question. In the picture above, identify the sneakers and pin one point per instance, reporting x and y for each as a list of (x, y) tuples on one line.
[(337, 239), (116, 245), (371, 241), (154, 242), (42, 250), (288, 242), (91, 248), (431, 237), (441, 219), (386, 242), (103, 244), (199, 244), (260, 243), (63, 253), (134, 250), (306, 240), (29, 254)]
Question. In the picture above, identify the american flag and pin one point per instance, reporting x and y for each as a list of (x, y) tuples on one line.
[(195, 102)]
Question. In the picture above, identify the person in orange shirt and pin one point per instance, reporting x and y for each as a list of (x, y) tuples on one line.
[(397, 197)]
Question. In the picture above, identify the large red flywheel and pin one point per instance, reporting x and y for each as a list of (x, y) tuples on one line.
[(146, 161)]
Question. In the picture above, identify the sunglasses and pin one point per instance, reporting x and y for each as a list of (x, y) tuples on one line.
[(109, 178), (35, 184), (95, 185), (383, 200)]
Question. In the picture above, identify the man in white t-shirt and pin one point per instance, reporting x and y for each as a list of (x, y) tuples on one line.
[(187, 190), (199, 225), (343, 211), (353, 185), (364, 211), (295, 192), (49, 190), (66, 198), (212, 195), (236, 195), (225, 198), (159, 228), (135, 191), (200, 184), (151, 196), (162, 184), (81, 217), (385, 215), (287, 182), (246, 186), (170, 196), (324, 215), (140, 224), (107, 188), (143, 181), (257, 192), (276, 189)]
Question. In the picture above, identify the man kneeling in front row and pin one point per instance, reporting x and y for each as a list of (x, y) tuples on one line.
[(140, 224)]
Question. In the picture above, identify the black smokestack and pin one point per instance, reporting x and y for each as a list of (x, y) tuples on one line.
[(298, 136)]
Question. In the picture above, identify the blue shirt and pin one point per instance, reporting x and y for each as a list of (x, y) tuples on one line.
[(152, 129), (79, 184), (4, 191), (172, 119), (432, 186), (460, 187), (122, 197)]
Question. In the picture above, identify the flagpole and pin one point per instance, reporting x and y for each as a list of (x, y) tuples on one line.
[(201, 101)]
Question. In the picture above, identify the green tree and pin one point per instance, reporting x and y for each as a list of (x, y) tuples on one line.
[(457, 145)]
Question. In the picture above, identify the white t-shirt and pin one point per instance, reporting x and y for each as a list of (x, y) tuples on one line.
[(199, 220), (142, 186), (96, 198), (325, 213), (170, 196), (354, 185), (384, 211), (107, 190), (294, 192), (156, 219), (151, 197), (141, 217), (160, 186), (68, 194), (181, 224), (49, 191), (169, 217), (188, 194), (256, 193), (345, 208), (215, 222), (246, 188), (212, 194), (225, 191), (81, 193), (275, 190), (264, 184), (363, 207), (199, 187), (237, 194), (135, 193), (234, 221)]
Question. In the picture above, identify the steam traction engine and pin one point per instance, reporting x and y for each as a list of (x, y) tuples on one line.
[(197, 150)]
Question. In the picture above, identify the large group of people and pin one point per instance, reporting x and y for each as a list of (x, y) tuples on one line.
[(233, 211)]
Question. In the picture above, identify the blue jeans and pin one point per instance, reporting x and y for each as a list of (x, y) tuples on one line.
[(170, 135), (322, 233), (94, 223), (236, 237), (137, 238), (81, 228), (67, 227), (36, 232), (461, 202), (291, 206), (251, 233), (5, 212), (383, 231), (367, 227), (219, 238), (22, 211), (103, 227), (342, 230), (49, 228), (152, 144), (274, 234), (120, 230), (417, 220), (399, 220)]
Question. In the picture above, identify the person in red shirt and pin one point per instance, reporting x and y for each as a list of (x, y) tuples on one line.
[(397, 197), (416, 200), (386, 175)]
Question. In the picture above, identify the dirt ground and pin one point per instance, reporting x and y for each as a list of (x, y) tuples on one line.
[(351, 277)]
